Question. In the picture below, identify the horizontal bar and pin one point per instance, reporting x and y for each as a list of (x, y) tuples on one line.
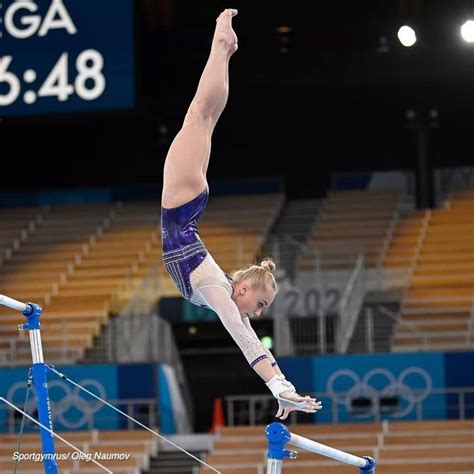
[(13, 304), (323, 450)]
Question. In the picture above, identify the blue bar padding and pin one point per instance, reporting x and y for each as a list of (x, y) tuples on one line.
[(32, 314), (277, 435), (370, 469)]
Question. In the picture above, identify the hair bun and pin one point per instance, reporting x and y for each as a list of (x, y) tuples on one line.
[(268, 264)]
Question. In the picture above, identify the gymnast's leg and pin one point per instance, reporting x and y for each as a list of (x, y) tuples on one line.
[(184, 175)]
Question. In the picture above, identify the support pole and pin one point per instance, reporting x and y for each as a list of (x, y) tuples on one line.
[(32, 312)]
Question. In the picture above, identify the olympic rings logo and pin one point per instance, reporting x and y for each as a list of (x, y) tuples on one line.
[(392, 386), (69, 407)]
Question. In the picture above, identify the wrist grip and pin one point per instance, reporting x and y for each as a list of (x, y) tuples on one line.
[(276, 386)]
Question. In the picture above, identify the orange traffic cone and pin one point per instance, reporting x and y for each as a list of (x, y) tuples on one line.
[(218, 420)]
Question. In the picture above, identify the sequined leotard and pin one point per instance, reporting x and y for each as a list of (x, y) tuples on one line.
[(183, 249), (198, 277)]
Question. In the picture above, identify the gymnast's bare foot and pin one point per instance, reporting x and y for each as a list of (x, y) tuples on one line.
[(225, 36)]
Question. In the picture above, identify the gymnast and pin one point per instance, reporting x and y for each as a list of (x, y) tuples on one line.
[(185, 192)]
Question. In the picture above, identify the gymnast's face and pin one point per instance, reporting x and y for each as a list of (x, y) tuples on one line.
[(252, 301)]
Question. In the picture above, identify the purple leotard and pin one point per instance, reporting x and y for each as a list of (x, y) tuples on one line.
[(209, 286), (183, 249)]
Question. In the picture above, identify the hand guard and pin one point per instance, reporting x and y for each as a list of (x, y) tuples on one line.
[(279, 384), (276, 386), (291, 401), (287, 383)]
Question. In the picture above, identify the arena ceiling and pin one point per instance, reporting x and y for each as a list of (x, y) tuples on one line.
[(316, 87)]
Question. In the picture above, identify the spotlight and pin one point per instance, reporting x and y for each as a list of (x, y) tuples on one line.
[(467, 31), (407, 36)]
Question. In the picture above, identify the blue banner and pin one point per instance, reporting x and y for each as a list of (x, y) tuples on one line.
[(148, 390), (460, 373), (72, 408), (299, 370), (137, 381), (373, 387)]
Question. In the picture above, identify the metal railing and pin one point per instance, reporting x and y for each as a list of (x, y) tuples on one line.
[(428, 338), (61, 352), (391, 230), (79, 256), (24, 233), (286, 251), (133, 324), (308, 313), (420, 242), (303, 317), (350, 305), (138, 334), (146, 410), (396, 317)]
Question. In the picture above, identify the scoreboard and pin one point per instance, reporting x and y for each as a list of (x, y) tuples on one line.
[(62, 56)]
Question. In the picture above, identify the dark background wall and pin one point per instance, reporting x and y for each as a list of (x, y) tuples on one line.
[(332, 101)]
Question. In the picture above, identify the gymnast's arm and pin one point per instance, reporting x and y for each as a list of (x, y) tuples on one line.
[(272, 360), (219, 300), (273, 363)]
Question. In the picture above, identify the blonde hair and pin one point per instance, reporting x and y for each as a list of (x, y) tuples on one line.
[(259, 275)]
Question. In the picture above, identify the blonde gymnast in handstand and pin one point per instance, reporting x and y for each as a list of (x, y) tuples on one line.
[(185, 192)]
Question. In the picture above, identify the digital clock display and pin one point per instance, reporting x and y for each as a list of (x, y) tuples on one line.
[(66, 56)]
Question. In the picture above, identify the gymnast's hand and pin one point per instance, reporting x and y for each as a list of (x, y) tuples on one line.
[(291, 401)]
